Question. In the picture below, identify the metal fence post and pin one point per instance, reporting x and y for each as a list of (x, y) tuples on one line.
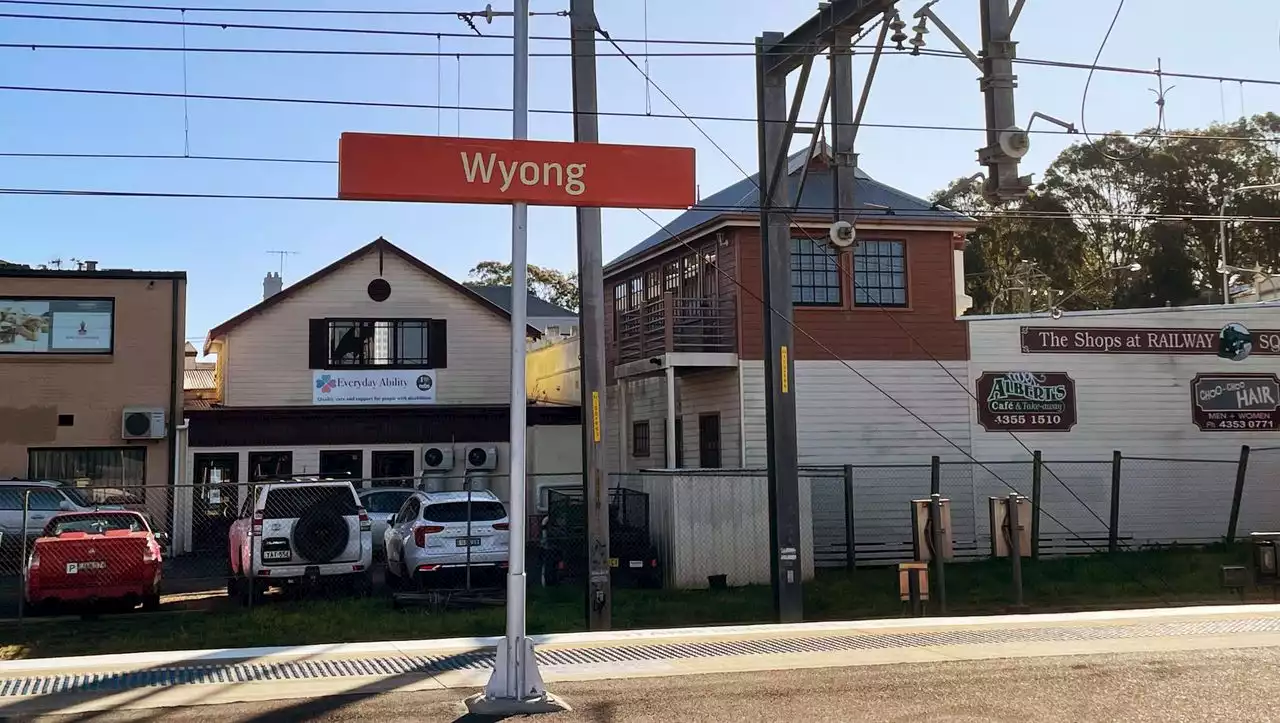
[(1113, 535), (850, 556), (935, 519), (1015, 546), (935, 475), (1242, 469), (22, 559), (1037, 464)]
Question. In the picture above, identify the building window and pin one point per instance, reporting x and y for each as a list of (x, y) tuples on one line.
[(106, 475), (880, 273), (709, 440), (393, 469), (378, 343), (815, 274), (342, 464), (553, 331), (640, 439), (266, 466)]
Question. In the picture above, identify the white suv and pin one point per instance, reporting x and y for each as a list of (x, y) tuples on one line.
[(436, 533), (294, 533)]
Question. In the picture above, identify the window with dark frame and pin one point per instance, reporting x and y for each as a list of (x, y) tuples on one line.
[(879, 273), (105, 475), (392, 468), (709, 440), (378, 343), (640, 439), (265, 466), (342, 463), (815, 274)]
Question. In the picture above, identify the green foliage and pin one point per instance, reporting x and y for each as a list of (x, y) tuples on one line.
[(557, 287), (1105, 188)]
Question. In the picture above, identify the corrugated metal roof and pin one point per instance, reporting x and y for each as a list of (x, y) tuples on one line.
[(198, 379), (744, 197)]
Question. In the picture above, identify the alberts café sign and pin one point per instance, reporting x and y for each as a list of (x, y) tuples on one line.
[(1108, 340), (1235, 402), (1026, 402)]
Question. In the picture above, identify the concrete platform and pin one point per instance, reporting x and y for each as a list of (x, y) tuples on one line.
[(149, 680)]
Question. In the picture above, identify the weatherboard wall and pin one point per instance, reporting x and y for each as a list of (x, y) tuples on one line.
[(1140, 405), (267, 362)]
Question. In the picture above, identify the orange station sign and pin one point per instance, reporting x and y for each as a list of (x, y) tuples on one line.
[(382, 167)]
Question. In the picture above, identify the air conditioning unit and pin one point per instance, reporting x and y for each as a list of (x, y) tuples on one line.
[(142, 423), (482, 457), (437, 458)]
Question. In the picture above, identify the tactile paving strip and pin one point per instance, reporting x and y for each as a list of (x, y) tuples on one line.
[(425, 665)]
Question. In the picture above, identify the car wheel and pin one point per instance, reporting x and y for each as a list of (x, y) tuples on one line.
[(151, 603)]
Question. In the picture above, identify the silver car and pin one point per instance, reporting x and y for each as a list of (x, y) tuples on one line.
[(382, 503), (47, 498), (438, 533)]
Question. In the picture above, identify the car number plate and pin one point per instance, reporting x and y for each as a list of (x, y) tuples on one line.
[(636, 563), (468, 542), (276, 554), (76, 567)]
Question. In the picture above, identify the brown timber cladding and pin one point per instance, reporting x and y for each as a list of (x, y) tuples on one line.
[(864, 332)]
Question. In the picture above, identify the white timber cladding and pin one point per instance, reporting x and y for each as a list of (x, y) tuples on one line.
[(841, 419), (698, 392), (647, 402), (267, 362), (1141, 406)]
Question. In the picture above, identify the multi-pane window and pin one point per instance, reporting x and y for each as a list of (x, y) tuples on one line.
[(640, 439), (106, 475), (880, 273), (815, 274), (377, 343)]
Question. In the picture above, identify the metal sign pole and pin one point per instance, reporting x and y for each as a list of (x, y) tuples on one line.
[(516, 686)]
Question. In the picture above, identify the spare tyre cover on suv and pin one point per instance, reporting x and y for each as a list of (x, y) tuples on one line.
[(321, 535)]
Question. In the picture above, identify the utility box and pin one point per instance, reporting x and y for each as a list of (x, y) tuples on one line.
[(1001, 535), (921, 530), (1266, 567)]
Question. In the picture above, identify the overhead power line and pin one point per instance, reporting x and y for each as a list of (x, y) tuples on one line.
[(545, 111), (625, 41), (253, 10)]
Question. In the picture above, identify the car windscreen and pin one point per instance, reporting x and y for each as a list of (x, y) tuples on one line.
[(481, 511), (76, 496), (285, 503), (95, 524), (386, 502)]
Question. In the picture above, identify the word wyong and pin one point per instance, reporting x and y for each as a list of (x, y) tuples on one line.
[(568, 177)]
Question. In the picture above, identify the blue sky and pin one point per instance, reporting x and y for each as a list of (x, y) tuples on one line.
[(222, 243)]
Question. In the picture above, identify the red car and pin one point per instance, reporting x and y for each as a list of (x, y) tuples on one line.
[(90, 557)]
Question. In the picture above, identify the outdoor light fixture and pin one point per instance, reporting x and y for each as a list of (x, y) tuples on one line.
[(1055, 310)]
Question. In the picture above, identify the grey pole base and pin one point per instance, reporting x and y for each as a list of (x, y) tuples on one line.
[(479, 705)]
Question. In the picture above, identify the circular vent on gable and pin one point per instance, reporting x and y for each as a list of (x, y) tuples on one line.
[(379, 290)]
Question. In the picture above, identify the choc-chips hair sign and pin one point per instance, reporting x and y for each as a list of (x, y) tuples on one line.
[(373, 387), (1235, 402)]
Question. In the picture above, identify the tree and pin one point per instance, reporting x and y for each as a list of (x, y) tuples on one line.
[(557, 287)]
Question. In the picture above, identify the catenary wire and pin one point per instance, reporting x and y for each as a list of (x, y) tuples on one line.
[(1084, 100), (898, 215), (545, 111), (628, 41), (849, 272)]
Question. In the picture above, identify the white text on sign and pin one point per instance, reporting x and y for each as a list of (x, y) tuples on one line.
[(529, 173)]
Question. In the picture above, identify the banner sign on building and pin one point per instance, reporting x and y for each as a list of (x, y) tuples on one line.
[(1235, 402), (1026, 402), (372, 386), (1116, 340), (56, 326)]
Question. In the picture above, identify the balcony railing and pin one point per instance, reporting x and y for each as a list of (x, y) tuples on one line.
[(676, 324)]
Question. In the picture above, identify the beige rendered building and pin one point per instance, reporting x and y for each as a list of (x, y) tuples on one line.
[(91, 366)]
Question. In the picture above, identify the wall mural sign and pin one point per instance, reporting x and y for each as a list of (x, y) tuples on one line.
[(1026, 402), (1235, 402), (1116, 340)]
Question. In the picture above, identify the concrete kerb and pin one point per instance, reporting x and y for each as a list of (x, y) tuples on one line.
[(455, 645)]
